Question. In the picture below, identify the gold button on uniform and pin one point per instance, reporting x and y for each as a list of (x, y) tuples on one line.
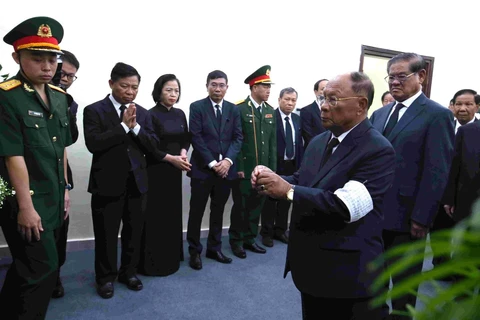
[(32, 192), (51, 116), (36, 125), (54, 139)]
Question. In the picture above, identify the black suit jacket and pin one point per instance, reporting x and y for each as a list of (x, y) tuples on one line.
[(116, 153), (209, 140), (311, 122), (463, 187), (281, 140), (327, 256), (73, 107)]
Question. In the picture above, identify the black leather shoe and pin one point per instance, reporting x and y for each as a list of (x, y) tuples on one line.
[(133, 283), (59, 291), (195, 261), (267, 241), (282, 238), (106, 290), (219, 256), (255, 248), (239, 252)]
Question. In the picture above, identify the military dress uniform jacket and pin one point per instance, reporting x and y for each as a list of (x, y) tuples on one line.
[(40, 134), (258, 130)]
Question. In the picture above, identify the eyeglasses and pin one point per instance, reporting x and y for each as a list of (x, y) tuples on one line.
[(401, 77), (70, 76), (333, 101), (219, 85)]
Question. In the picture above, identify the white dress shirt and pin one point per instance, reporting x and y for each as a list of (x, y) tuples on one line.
[(220, 157), (284, 122), (407, 103)]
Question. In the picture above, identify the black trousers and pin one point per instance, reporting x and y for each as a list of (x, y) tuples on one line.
[(442, 222), (314, 308), (31, 277), (274, 216), (392, 239), (61, 236), (107, 213), (218, 190)]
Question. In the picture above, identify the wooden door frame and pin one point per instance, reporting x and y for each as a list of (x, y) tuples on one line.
[(387, 53)]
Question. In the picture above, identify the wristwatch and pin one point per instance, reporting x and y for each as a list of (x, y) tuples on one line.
[(290, 193), (68, 187)]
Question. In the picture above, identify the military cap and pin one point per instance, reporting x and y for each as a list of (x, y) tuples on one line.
[(38, 33), (262, 75)]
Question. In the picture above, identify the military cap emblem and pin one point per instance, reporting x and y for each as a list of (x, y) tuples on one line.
[(44, 31), (262, 75), (38, 33)]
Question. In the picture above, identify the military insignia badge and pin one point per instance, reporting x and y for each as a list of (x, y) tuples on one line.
[(267, 72), (44, 31), (249, 115), (27, 88), (268, 116), (35, 114)]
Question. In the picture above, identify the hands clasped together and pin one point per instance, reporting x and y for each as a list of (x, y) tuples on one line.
[(268, 183), (130, 116), (222, 167)]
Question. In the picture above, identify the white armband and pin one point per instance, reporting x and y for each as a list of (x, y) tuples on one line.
[(356, 198)]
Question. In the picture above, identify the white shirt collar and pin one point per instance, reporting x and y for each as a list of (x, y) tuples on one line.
[(117, 104), (343, 135), (458, 125), (283, 115), (408, 102), (214, 103), (255, 104)]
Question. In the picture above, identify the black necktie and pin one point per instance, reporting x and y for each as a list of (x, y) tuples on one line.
[(259, 108), (122, 111), (218, 113), (328, 152), (393, 120), (289, 152)]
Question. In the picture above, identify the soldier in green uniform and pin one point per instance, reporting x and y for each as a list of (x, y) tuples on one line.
[(259, 147), (34, 131)]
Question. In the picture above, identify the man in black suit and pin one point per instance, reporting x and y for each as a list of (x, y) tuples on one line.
[(217, 137), (118, 137), (289, 157), (337, 197), (421, 131), (69, 68), (310, 115), (463, 186)]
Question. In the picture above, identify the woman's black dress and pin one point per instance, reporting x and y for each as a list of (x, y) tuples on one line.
[(162, 243)]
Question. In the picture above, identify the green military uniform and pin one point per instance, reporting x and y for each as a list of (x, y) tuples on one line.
[(39, 133), (259, 148)]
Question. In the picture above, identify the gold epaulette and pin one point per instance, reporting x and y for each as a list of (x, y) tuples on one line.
[(10, 84), (56, 88), (239, 102)]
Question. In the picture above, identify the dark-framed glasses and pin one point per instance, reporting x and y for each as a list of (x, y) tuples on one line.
[(400, 77), (70, 76), (333, 101)]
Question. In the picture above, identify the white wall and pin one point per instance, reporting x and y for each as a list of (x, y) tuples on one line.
[(302, 40)]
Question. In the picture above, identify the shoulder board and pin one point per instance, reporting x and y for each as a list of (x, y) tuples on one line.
[(239, 102), (10, 84), (56, 88)]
